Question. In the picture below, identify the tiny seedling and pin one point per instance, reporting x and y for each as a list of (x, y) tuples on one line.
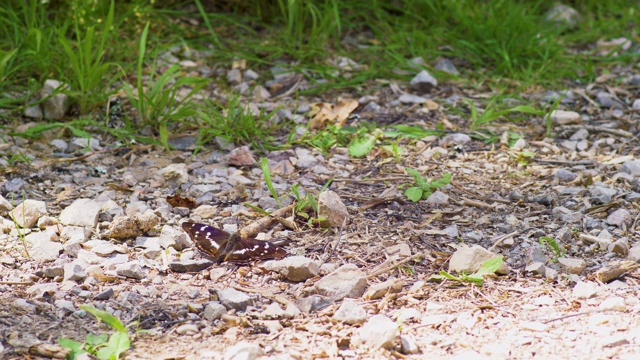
[(550, 244), (424, 188), (491, 113), (488, 267), (264, 165), (102, 346)]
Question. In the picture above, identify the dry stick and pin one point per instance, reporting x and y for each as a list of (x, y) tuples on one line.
[(264, 222), (337, 242), (394, 266), (16, 282), (502, 238), (601, 129), (594, 311)]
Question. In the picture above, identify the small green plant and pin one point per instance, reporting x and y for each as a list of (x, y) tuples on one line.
[(264, 165), (86, 61), (235, 123), (424, 188), (550, 244), (160, 103), (102, 346), (525, 157), (488, 267), (492, 113)]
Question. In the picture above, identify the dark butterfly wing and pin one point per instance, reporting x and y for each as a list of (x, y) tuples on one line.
[(221, 246), (207, 239), (247, 249)]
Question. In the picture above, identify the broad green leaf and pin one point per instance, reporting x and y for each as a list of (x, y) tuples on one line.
[(95, 340), (490, 266), (120, 343), (444, 180), (266, 172), (362, 145), (108, 319), (417, 177), (413, 193)]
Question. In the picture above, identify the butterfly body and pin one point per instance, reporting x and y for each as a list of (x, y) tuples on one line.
[(220, 246)]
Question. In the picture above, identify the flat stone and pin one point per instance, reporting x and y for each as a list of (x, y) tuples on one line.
[(74, 272), (187, 329), (584, 290), (631, 167), (470, 259), (350, 312), (65, 305), (620, 247), (28, 212), (379, 332), (42, 248), (105, 294), (313, 303), (131, 269), (423, 81), (572, 265), (214, 311), (294, 268), (563, 15), (177, 174), (445, 65), (82, 212), (563, 117), (619, 217), (187, 266), (331, 209), (391, 286), (408, 345), (234, 299), (241, 156), (243, 351), (438, 198), (346, 281), (411, 99)]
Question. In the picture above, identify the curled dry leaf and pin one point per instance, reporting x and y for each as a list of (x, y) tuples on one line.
[(322, 113)]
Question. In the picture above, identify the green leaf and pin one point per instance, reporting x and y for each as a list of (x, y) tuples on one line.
[(74, 346), (266, 172), (413, 193), (362, 145), (490, 266), (95, 340), (443, 181), (417, 177), (119, 342), (108, 319)]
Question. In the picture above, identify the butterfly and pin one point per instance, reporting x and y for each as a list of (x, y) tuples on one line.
[(220, 246)]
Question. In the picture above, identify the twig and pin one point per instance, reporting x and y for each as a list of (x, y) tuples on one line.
[(574, 315), (337, 242), (394, 266), (264, 222), (16, 282), (500, 239), (602, 129)]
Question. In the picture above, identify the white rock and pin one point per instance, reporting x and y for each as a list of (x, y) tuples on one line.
[(379, 332), (584, 290)]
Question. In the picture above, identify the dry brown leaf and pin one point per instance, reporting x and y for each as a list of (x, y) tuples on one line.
[(344, 108), (322, 113)]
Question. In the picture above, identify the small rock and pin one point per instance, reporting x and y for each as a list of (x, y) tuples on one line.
[(177, 174), (42, 248), (295, 268), (411, 99), (34, 112), (408, 345), (65, 305), (82, 212), (331, 209), (105, 294), (214, 311), (123, 227), (28, 212), (620, 247), (615, 303), (172, 237), (536, 268), (455, 139), (234, 76), (438, 198), (445, 65), (346, 281), (563, 15), (471, 259), (572, 265), (241, 156), (131, 269), (584, 290), (391, 286), (379, 332), (550, 273), (74, 272), (631, 167), (564, 176), (619, 217), (24, 306), (53, 271), (184, 266), (243, 351), (423, 82), (56, 106), (350, 312), (563, 117), (313, 303), (187, 329), (634, 253), (234, 299)]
